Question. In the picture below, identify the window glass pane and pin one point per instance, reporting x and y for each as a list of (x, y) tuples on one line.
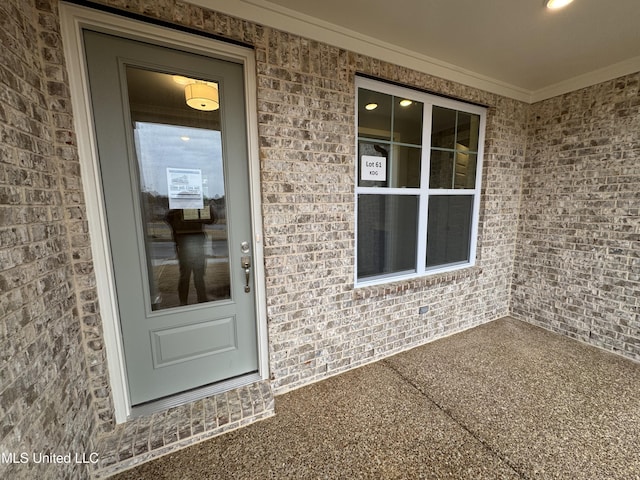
[(407, 121), (465, 170), (449, 229), (397, 168), (374, 114), (387, 234), (443, 128), (368, 154), (468, 129), (441, 169), (405, 167)]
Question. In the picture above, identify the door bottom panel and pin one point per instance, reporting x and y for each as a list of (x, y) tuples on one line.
[(190, 342)]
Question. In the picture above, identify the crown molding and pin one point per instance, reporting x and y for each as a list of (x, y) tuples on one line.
[(275, 16), (605, 74), (268, 14)]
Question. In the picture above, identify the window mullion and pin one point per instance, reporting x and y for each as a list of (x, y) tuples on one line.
[(455, 152), (388, 191), (421, 260), (391, 160), (422, 234), (452, 191)]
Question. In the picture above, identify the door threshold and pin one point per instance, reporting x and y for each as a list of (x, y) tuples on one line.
[(172, 401)]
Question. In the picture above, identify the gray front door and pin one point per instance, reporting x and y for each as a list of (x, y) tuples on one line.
[(172, 145)]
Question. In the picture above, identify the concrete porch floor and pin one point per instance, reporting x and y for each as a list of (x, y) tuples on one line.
[(503, 400)]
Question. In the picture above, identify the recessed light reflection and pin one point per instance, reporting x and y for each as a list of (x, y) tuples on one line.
[(405, 102), (180, 80), (555, 4), (371, 106), (184, 138)]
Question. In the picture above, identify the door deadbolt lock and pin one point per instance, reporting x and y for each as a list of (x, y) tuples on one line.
[(245, 262)]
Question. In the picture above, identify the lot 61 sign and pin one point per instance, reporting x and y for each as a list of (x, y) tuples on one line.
[(373, 168)]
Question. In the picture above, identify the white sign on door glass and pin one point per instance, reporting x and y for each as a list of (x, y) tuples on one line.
[(185, 188), (373, 168)]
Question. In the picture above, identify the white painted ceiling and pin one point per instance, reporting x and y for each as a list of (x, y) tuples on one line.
[(516, 43)]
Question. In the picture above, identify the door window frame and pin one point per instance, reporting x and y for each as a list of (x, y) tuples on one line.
[(74, 19)]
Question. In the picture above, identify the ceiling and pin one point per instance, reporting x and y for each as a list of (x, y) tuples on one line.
[(513, 47)]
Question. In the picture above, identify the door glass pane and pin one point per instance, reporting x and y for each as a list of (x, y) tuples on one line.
[(182, 190), (449, 229), (387, 234)]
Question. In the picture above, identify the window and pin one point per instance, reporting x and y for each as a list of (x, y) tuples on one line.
[(417, 182)]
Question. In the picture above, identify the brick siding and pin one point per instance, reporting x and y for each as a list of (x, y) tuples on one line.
[(45, 399), (577, 268)]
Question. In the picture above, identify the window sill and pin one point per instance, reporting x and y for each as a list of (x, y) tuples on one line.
[(383, 287)]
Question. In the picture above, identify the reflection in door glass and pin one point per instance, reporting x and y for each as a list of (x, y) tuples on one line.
[(180, 165)]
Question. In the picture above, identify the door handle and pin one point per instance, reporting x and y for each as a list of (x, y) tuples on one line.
[(245, 261)]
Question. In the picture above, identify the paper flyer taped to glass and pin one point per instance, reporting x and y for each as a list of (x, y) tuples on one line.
[(185, 188)]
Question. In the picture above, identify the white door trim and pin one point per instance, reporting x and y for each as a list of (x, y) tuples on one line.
[(73, 19)]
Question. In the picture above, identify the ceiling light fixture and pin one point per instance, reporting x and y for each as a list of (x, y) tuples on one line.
[(371, 106), (202, 96), (405, 103), (199, 95), (556, 4)]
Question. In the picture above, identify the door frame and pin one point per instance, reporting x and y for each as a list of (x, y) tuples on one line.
[(73, 19)]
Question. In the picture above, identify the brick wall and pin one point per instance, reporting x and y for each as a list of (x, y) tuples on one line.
[(44, 256), (577, 268)]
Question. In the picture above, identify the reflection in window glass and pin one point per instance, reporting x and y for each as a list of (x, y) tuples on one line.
[(387, 234), (445, 172), (405, 168), (454, 140), (400, 157), (187, 251), (443, 128), (374, 115), (366, 150), (182, 192), (467, 131), (407, 121), (449, 229), (401, 165), (465, 170), (441, 169)]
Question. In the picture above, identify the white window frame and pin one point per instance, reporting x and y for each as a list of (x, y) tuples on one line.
[(423, 192)]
